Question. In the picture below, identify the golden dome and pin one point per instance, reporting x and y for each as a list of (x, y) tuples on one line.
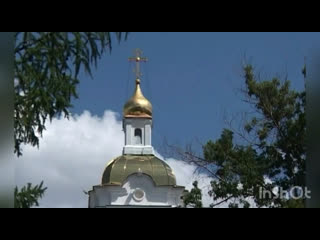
[(119, 169), (138, 105)]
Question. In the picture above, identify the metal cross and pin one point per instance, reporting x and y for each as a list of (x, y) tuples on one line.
[(138, 58)]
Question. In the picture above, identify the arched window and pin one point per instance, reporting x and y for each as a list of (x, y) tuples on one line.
[(138, 136)]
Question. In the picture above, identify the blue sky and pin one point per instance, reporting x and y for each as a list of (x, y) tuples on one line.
[(191, 78)]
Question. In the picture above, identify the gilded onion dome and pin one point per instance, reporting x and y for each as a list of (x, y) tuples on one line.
[(119, 169), (138, 105)]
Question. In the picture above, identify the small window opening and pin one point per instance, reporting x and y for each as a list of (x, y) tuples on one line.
[(138, 136)]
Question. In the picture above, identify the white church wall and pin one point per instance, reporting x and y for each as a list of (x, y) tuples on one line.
[(137, 190)]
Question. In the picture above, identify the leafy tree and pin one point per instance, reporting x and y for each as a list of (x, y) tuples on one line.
[(194, 197), (46, 70), (47, 66), (28, 196), (271, 154)]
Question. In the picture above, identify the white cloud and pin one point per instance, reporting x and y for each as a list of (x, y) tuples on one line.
[(73, 154), (71, 158)]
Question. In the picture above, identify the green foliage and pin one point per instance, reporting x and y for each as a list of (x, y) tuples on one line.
[(28, 196), (233, 205), (47, 66), (194, 197), (46, 70), (275, 148), (294, 203)]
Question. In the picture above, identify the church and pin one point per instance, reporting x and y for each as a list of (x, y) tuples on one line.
[(137, 178)]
